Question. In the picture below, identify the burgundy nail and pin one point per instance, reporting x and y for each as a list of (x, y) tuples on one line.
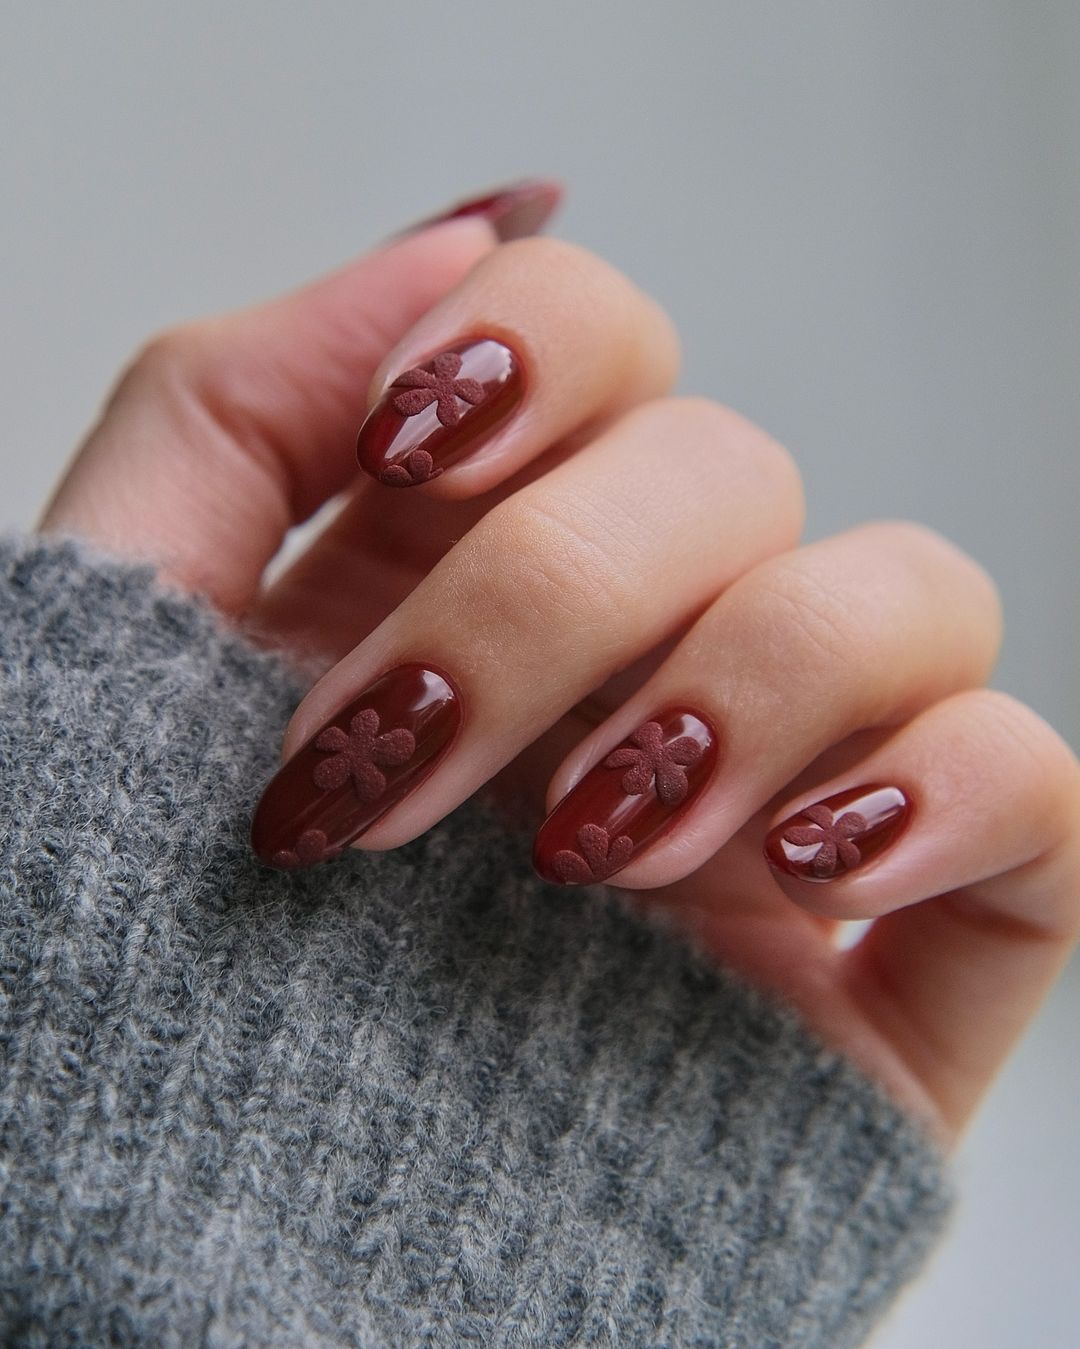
[(628, 800), (827, 840), (438, 411), (362, 763), (514, 211)]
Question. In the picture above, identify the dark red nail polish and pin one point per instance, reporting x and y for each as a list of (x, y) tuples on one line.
[(832, 837), (438, 411), (514, 212), (362, 763), (631, 797)]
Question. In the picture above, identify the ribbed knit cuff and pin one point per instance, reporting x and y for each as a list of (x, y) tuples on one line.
[(405, 1097)]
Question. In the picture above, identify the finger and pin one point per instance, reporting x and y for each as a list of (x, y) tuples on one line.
[(994, 834), (540, 339), (226, 431), (555, 589), (858, 631)]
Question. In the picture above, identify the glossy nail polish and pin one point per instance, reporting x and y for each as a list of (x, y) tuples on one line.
[(631, 797), (825, 841), (514, 211), (361, 764), (439, 411)]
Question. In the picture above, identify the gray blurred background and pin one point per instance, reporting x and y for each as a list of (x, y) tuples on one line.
[(863, 217)]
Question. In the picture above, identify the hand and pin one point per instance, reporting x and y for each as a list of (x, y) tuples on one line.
[(545, 547)]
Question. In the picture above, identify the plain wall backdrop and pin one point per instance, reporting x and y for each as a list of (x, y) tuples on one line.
[(863, 217)]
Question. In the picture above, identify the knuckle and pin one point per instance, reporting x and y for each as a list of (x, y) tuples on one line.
[(931, 556), (748, 457), (1027, 751), (810, 621), (163, 364), (533, 572)]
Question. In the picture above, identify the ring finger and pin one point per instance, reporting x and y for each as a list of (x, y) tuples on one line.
[(861, 630)]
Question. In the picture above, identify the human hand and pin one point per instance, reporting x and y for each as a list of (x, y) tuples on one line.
[(593, 572)]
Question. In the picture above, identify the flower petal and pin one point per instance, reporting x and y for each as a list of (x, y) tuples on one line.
[(650, 737), (849, 853), (470, 389), (619, 853), (804, 835), (850, 824), (368, 781), (671, 783), (416, 378), (395, 747), (821, 815), (623, 758), (331, 773), (411, 402), (446, 364), (571, 868), (333, 740), (825, 861), (685, 750)]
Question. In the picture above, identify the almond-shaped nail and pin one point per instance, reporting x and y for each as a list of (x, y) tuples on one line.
[(513, 212), (826, 840), (628, 800), (374, 752), (438, 411)]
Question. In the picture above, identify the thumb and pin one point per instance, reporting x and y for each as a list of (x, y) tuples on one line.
[(224, 432)]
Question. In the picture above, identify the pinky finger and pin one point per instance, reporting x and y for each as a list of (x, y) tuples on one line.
[(976, 904)]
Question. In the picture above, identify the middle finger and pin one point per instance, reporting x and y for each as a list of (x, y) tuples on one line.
[(558, 587)]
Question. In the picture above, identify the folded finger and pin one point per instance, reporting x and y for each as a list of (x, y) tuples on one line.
[(224, 432), (540, 339), (554, 590), (861, 630), (974, 884)]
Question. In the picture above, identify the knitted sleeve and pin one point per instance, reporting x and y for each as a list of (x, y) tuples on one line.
[(408, 1097)]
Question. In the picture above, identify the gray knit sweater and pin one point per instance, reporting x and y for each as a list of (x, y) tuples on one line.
[(406, 1098)]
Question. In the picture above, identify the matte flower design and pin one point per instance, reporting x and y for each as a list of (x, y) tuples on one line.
[(416, 467), (834, 836), (439, 385), (309, 848), (650, 762), (361, 755), (599, 856)]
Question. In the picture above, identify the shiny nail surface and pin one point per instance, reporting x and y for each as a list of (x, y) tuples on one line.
[(825, 841), (631, 797), (439, 411), (514, 211), (361, 764)]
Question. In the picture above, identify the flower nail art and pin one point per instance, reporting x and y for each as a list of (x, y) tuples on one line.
[(311, 847), (416, 467), (826, 840), (632, 796), (598, 856), (833, 837), (439, 385), (652, 762), (361, 754), (439, 411), (374, 752)]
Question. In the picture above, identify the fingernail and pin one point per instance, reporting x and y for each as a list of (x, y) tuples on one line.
[(832, 837), (623, 804), (361, 764), (439, 411), (514, 211)]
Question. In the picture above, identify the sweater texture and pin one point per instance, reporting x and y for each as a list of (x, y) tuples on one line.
[(407, 1098)]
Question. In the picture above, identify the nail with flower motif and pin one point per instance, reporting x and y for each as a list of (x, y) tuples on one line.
[(628, 800), (826, 840), (439, 411), (362, 763)]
